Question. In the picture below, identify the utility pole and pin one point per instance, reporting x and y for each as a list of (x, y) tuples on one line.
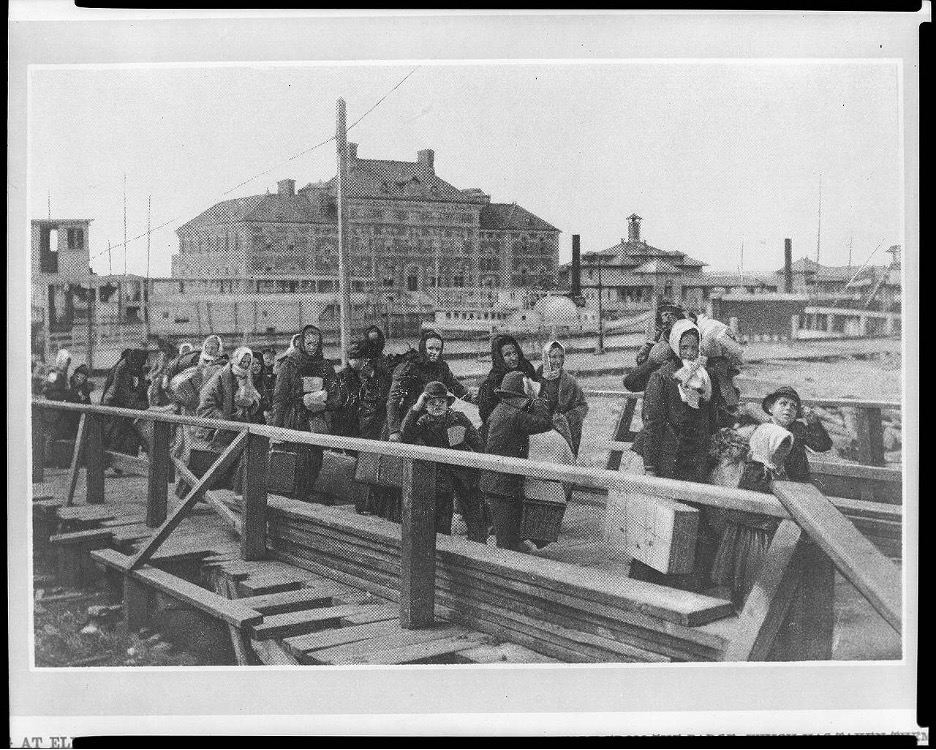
[(341, 139), (600, 348), (125, 223), (850, 240), (146, 316), (819, 226)]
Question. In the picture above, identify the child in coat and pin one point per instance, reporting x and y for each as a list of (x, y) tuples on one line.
[(786, 410), (431, 421)]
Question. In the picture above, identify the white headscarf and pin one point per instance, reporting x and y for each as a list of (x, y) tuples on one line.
[(62, 360), (239, 353), (205, 357), (185, 347), (768, 447), (549, 373), (695, 385), (247, 395)]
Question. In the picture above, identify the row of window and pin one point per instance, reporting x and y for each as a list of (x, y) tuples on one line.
[(475, 316)]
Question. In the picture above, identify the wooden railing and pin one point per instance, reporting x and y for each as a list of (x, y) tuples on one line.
[(793, 570)]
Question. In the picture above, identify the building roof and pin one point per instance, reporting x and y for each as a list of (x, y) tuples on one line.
[(731, 280), (628, 252), (512, 216), (398, 180)]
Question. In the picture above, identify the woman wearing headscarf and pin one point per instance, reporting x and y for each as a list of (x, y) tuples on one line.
[(679, 418), (410, 379), (58, 424), (258, 374), (506, 356), (345, 419), (157, 392), (125, 388), (229, 395), (306, 392), (294, 344), (376, 377), (561, 392)]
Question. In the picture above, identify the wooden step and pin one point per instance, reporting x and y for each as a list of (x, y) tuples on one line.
[(506, 653), (272, 583), (291, 601), (87, 513), (356, 653), (306, 621), (87, 538), (422, 651), (302, 645), (372, 613)]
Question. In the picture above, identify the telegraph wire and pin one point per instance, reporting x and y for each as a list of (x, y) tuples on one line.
[(261, 174)]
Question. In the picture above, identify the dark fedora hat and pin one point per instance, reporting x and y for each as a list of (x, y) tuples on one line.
[(437, 389), (512, 385), (667, 304), (358, 350), (769, 399)]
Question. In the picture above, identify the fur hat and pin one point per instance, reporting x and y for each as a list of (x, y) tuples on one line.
[(768, 402), (512, 385)]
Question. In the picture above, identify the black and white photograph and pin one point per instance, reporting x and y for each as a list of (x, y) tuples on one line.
[(462, 374)]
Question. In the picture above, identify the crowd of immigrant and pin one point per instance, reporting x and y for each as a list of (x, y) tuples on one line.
[(686, 371)]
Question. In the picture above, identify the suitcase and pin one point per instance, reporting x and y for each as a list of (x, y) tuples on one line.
[(336, 479), (379, 470), (281, 476)]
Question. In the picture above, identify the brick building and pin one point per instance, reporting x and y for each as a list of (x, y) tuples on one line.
[(410, 231)]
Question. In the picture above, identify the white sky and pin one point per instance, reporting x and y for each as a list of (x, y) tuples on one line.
[(710, 155)]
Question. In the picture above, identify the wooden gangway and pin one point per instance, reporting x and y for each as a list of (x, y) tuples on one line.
[(558, 609)]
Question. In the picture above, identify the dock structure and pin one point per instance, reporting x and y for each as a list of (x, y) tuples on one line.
[(300, 583)]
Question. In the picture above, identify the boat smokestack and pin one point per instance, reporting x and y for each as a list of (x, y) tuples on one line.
[(576, 282), (788, 265)]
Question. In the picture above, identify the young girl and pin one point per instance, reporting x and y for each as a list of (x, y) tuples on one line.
[(786, 410)]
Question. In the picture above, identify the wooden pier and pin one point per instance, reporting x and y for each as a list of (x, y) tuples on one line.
[(300, 583)]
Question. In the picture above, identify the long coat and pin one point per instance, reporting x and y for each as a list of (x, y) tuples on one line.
[(376, 378), (345, 417), (570, 402), (288, 408), (125, 387), (409, 379), (509, 428), (813, 436), (487, 398), (674, 439), (216, 401)]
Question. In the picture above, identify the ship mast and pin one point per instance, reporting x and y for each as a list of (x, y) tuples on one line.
[(344, 287)]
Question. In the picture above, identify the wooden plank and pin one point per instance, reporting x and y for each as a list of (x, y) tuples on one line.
[(621, 432), (423, 651), (76, 459), (126, 463), (211, 497), (855, 471), (88, 536), (243, 651), (507, 653), (38, 445), (300, 645), (807, 633), (94, 460), (223, 462), (306, 621), (256, 468), (272, 653), (272, 583), (372, 613), (768, 602), (352, 653), (876, 577), (291, 601), (157, 497), (418, 544), (178, 588)]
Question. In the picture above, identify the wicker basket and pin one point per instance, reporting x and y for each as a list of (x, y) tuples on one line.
[(541, 520)]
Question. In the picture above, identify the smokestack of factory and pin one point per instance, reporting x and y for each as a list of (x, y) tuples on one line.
[(788, 266)]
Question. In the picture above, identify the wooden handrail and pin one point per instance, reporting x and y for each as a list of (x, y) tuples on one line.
[(822, 402), (673, 489)]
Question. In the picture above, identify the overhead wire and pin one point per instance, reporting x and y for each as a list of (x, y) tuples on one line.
[(264, 172)]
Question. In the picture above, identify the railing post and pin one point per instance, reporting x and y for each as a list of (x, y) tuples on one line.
[(157, 491), (38, 444), (621, 431), (418, 544), (807, 634), (94, 459), (870, 436), (256, 462)]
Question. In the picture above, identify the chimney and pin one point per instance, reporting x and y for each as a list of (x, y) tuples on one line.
[(286, 187), (477, 194), (426, 157), (788, 266), (633, 228), (575, 288), (352, 150)]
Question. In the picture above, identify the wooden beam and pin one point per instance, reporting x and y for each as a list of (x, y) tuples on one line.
[(222, 464), (767, 604), (807, 633), (418, 545), (870, 436), (621, 433), (876, 577), (256, 468), (38, 444), (94, 459), (157, 493), (76, 459)]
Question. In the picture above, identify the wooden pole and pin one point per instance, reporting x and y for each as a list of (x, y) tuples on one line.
[(94, 459), (158, 476), (344, 286), (125, 223), (92, 307), (418, 545), (256, 466), (76, 459), (146, 318), (38, 445)]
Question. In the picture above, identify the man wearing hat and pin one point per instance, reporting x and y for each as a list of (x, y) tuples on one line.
[(668, 312), (786, 410), (656, 351), (345, 416), (516, 417), (432, 421)]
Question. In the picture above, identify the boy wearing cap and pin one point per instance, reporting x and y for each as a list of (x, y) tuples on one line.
[(432, 421), (786, 410), (516, 417)]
